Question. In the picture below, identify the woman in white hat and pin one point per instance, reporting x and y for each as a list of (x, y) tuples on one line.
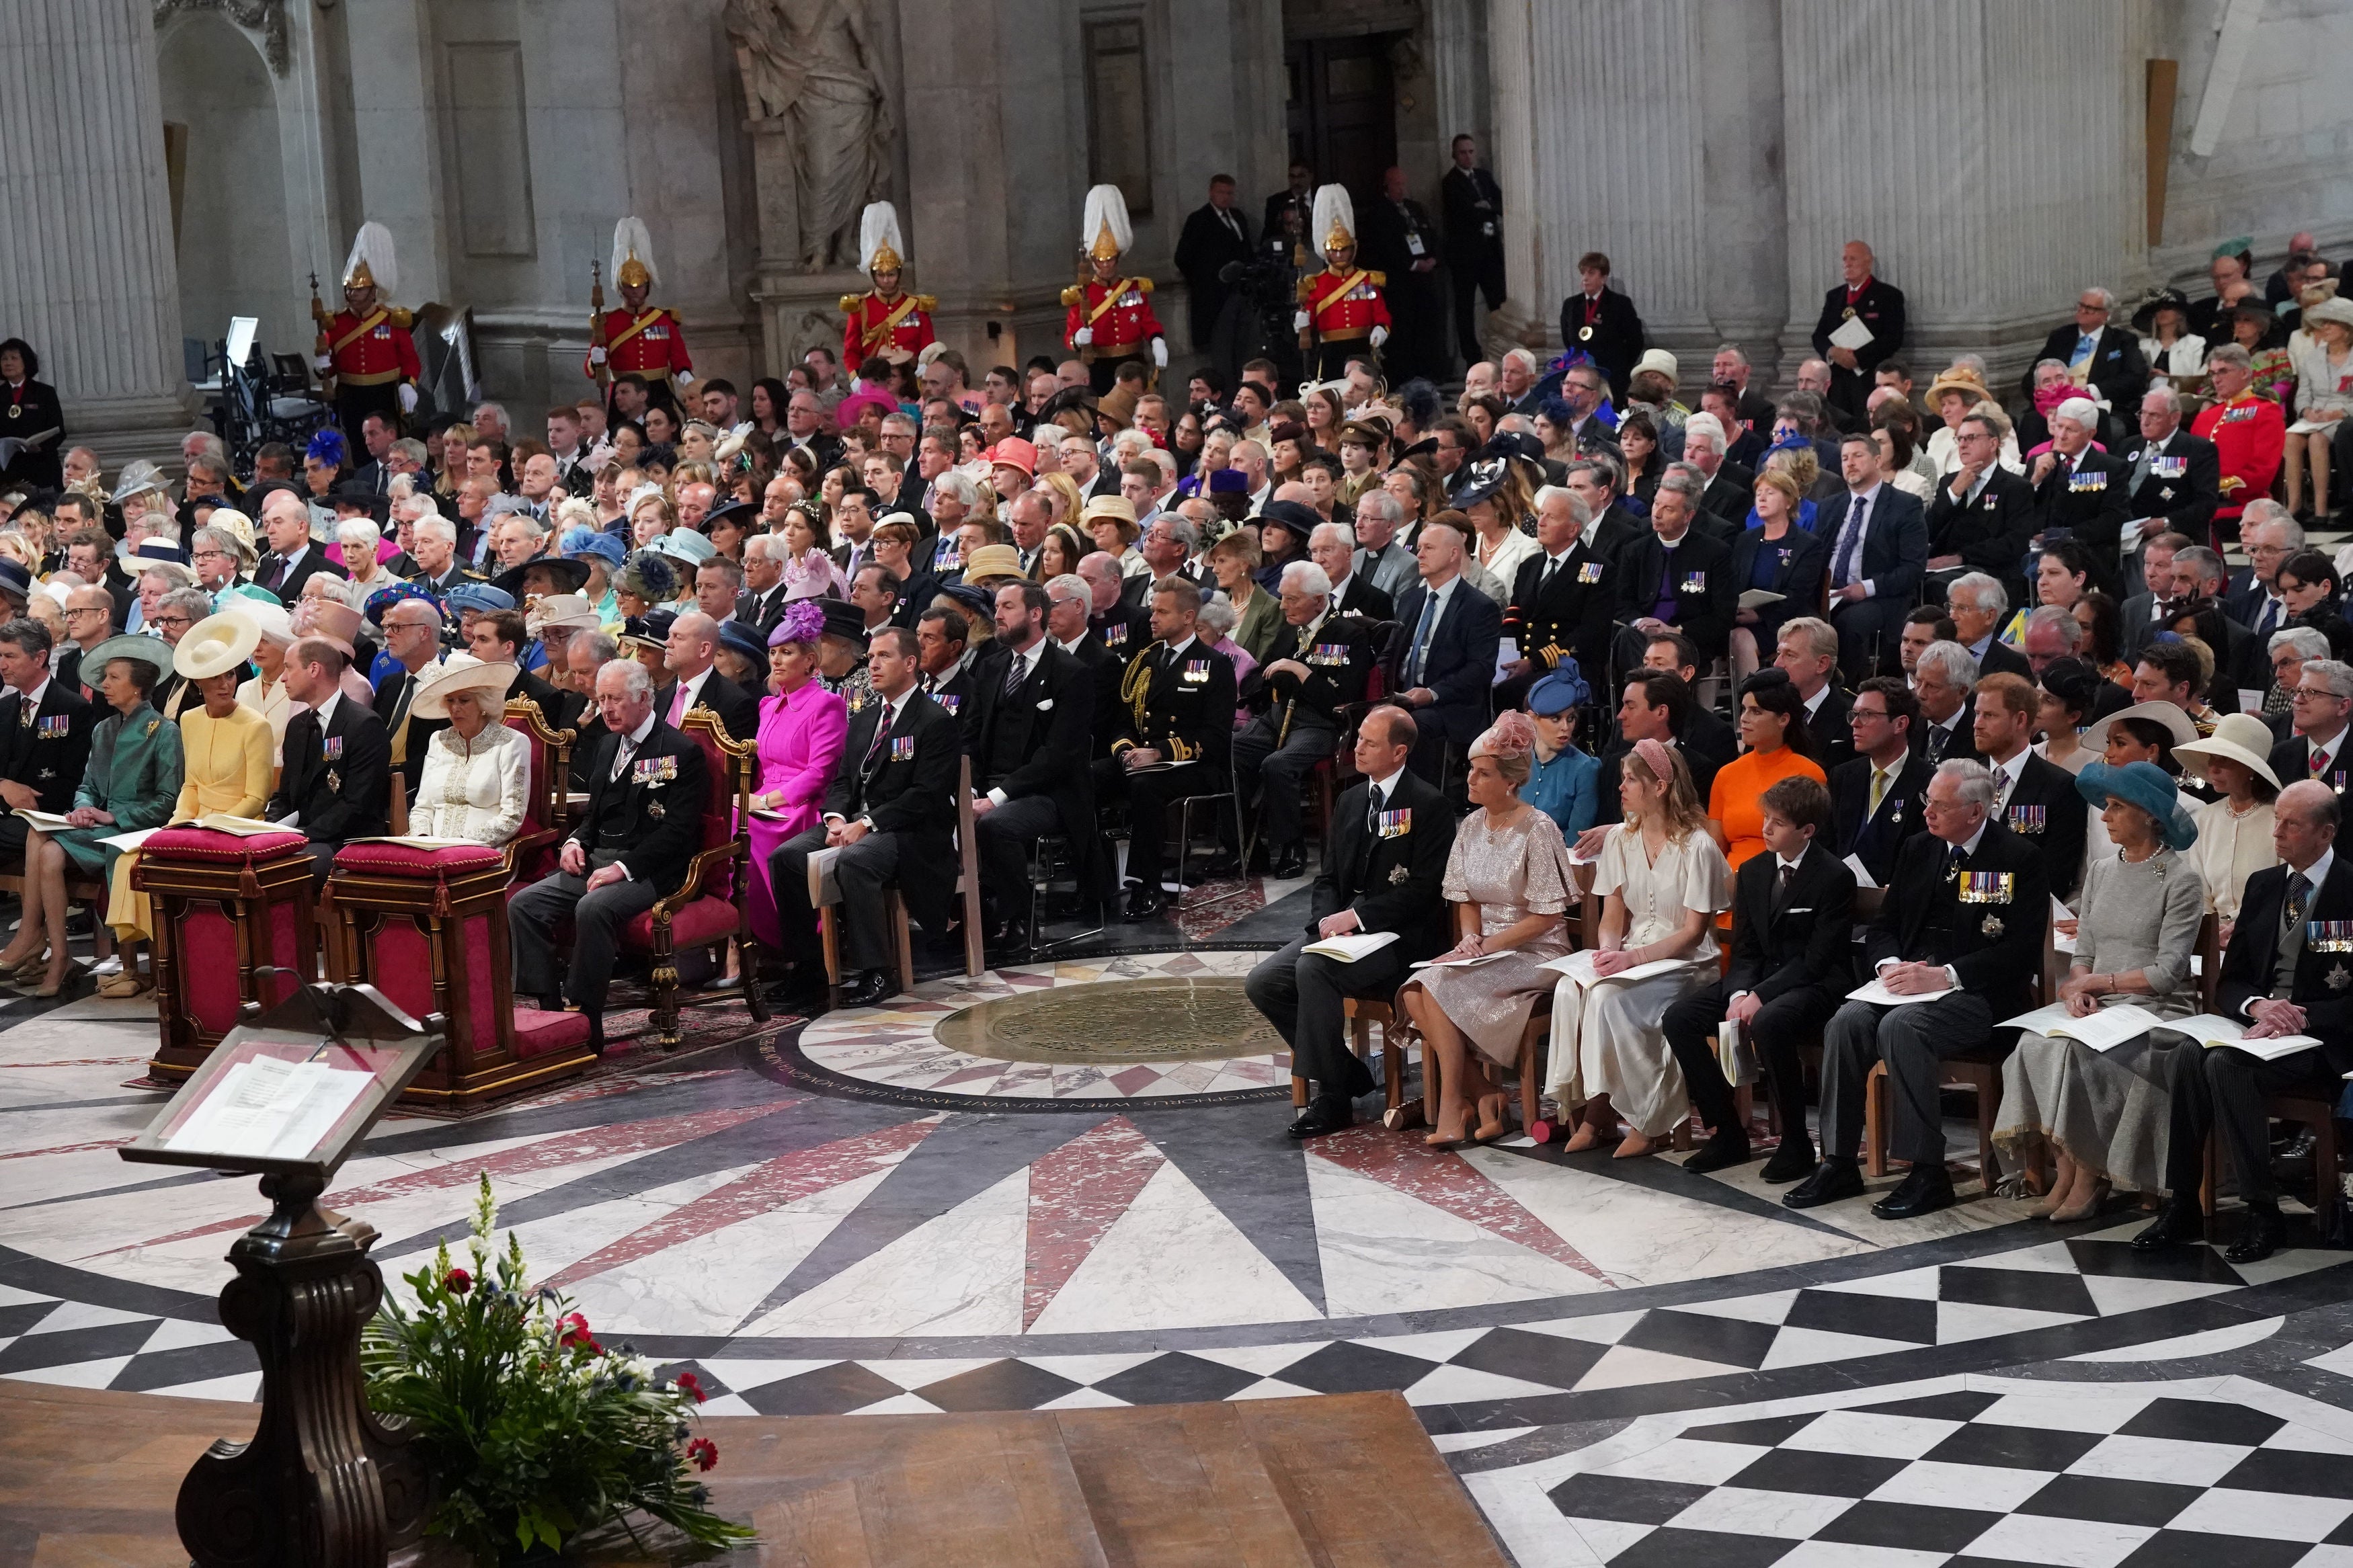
[(477, 771), (2234, 832), (264, 693)]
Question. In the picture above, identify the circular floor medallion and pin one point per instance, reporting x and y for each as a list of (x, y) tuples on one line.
[(1190, 1018)]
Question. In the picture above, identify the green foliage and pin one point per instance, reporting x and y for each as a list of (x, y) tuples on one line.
[(535, 1432)]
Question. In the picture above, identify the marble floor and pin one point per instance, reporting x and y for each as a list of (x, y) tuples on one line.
[(1625, 1360)]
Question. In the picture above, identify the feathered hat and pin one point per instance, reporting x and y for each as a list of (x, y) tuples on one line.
[(1104, 230), (370, 265), (1336, 217), (633, 255), (878, 239)]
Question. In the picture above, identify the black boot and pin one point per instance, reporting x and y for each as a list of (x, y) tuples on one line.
[(1727, 1148)]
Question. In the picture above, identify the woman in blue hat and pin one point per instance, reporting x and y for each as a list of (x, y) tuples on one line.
[(2103, 1113), (1565, 785)]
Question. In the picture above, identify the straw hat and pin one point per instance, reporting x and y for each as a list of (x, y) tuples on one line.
[(1960, 381), (462, 672), (216, 645), (2240, 738), (992, 560)]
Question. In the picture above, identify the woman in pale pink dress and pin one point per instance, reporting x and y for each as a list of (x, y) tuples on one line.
[(802, 728)]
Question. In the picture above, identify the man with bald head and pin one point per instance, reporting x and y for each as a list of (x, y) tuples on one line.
[(1442, 665), (694, 683), (1862, 298), (1123, 628)]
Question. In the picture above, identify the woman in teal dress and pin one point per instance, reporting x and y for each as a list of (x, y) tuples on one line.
[(133, 781), (1566, 782)]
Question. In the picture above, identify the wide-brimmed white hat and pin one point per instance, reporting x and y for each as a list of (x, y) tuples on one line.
[(460, 672), (216, 645), (2166, 714), (568, 611), (2240, 738)]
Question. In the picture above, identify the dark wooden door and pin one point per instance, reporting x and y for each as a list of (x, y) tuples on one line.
[(1343, 114)]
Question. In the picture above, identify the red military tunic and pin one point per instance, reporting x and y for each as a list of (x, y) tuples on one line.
[(1344, 306), (375, 350), (875, 324), (650, 345), (2250, 434), (1120, 327)]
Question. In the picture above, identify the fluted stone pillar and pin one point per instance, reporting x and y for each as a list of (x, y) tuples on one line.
[(87, 268), (1745, 250)]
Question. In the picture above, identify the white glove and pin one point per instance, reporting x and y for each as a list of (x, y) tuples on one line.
[(684, 378), (323, 363), (1378, 336), (1299, 321), (1160, 353), (408, 398), (597, 354), (1083, 337)]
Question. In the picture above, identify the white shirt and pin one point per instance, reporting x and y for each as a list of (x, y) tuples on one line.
[(2006, 783), (325, 710), (1869, 501), (2323, 754), (2317, 874)]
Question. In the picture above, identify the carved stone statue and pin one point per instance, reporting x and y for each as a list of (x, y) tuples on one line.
[(813, 65)]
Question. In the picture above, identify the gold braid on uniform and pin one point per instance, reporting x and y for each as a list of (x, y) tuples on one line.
[(1135, 690)]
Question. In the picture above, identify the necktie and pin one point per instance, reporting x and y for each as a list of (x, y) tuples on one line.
[(2319, 762), (2002, 782), (1937, 736), (1422, 632), (1789, 875), (882, 733), (1850, 543), (677, 705), (2140, 464), (1878, 790), (1015, 668), (621, 755), (2299, 889), (2269, 622), (1953, 863)]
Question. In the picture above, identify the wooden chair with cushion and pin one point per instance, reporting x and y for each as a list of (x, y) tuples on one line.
[(894, 908), (531, 854)]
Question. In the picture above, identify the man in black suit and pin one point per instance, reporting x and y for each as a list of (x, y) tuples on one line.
[(1029, 772), (1944, 679), (337, 778), (1731, 489), (1983, 514), (1175, 736), (945, 670), (2035, 799), (1443, 663), (1878, 306), (2288, 971), (687, 657), (412, 636), (1603, 323), (1698, 729), (1962, 924), (2173, 480), (292, 560), (1384, 858), (892, 811), (1792, 930), (1400, 242), (1214, 235), (1295, 200), (649, 788), (2319, 748), (1978, 604), (761, 603), (2096, 353), (1657, 705), (45, 743), (1879, 550), (1807, 650), (1879, 796), (1475, 242), (1068, 605), (1676, 579), (1318, 664), (2080, 492)]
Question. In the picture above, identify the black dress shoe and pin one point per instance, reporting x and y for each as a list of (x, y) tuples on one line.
[(2177, 1220), (2261, 1238), (1793, 1160), (1927, 1189), (1723, 1151), (1222, 866), (1146, 901), (595, 1034), (874, 985), (1833, 1179), (1289, 861), (1324, 1113)]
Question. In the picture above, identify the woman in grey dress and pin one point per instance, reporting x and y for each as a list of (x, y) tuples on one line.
[(1507, 876), (2103, 1113)]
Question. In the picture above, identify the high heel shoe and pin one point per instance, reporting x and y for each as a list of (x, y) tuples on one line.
[(2086, 1209), (66, 975), (1493, 1125)]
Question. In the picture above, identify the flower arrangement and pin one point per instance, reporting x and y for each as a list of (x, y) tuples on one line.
[(533, 1431)]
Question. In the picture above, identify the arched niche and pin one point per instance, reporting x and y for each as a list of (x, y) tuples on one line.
[(220, 110)]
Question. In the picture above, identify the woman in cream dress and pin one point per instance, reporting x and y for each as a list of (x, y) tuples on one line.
[(477, 779), (1663, 880), (264, 694), (2234, 832)]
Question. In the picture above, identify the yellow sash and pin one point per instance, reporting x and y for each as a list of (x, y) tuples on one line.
[(1341, 292), (363, 329), (634, 328), (1113, 297), (881, 334)]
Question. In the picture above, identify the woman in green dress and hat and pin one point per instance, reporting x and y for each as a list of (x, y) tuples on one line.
[(133, 779)]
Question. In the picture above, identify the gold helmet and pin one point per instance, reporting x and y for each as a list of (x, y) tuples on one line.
[(1336, 217), (633, 255), (1104, 230), (370, 265), (879, 240)]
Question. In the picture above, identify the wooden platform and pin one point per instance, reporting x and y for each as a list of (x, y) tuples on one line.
[(1344, 1481)]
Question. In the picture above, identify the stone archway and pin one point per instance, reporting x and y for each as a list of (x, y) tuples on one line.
[(229, 199)]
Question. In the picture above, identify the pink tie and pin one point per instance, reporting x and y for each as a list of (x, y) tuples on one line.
[(677, 705)]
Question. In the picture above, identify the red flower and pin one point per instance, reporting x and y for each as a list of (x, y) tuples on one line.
[(704, 1452), (693, 1384), (575, 1334), (457, 1282)]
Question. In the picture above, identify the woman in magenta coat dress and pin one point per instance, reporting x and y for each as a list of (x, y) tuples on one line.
[(802, 728)]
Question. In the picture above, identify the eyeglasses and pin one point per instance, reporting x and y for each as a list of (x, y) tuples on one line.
[(2317, 693), (174, 621), (88, 610)]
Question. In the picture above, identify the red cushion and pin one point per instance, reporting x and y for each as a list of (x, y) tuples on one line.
[(207, 844), (401, 861), (538, 1034), (704, 920)]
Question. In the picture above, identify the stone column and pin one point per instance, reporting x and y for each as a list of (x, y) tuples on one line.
[(1745, 266), (88, 273)]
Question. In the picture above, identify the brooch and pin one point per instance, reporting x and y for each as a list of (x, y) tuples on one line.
[(1399, 876), (153, 724), (654, 809), (1992, 927), (334, 781)]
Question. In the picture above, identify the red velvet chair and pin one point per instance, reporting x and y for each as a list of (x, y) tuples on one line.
[(235, 933), (710, 909), (531, 854)]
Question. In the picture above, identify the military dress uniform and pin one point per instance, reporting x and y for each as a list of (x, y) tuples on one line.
[(45, 747), (1110, 319), (368, 352), (1560, 610), (1341, 310), (1300, 723), (1179, 702), (638, 339), (900, 324)]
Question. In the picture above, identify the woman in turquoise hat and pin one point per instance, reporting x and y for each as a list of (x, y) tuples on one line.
[(132, 781), (2103, 1113), (1566, 784)]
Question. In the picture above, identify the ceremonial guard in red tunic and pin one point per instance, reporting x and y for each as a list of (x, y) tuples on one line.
[(1341, 310), (1110, 319), (638, 339), (364, 352), (883, 322)]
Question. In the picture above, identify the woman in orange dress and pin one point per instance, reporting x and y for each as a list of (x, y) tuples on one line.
[(1776, 744)]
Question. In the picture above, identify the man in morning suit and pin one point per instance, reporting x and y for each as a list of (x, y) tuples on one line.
[(687, 655), (2035, 799), (2320, 745), (1879, 307), (1962, 924), (1562, 599), (892, 811), (1384, 858), (293, 559), (2173, 481), (44, 728), (647, 789), (2288, 971), (1675, 578), (1806, 649), (1792, 930), (1982, 514), (1067, 612), (2096, 353), (2079, 490), (1877, 798), (1175, 737), (1318, 663), (1029, 760), (1878, 550), (337, 778), (412, 636), (1443, 663)]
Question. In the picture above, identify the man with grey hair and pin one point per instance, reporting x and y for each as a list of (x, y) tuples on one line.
[(2051, 634), (1962, 926), (2174, 480), (2323, 703), (1675, 578), (1977, 603), (1515, 381), (439, 569), (1320, 663), (1382, 559), (1563, 599), (1333, 546), (2079, 490), (2096, 353), (1730, 367), (1124, 630), (1730, 487), (1943, 680), (2269, 536), (2288, 651), (761, 603), (1806, 651)]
